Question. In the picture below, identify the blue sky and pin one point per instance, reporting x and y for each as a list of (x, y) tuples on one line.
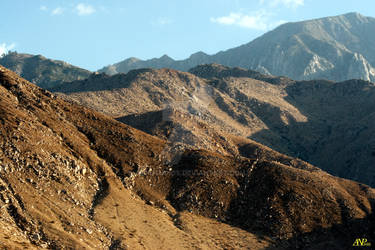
[(94, 33)]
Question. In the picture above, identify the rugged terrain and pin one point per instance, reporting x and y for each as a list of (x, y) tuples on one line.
[(67, 175), (329, 124), (42, 71), (336, 48), (74, 178)]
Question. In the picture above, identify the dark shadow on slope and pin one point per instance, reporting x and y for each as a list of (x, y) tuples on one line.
[(338, 136), (215, 71), (268, 199), (146, 122), (338, 237)]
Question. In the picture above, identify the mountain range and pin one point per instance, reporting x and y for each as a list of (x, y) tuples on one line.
[(255, 152), (44, 72), (74, 178), (329, 124), (335, 48)]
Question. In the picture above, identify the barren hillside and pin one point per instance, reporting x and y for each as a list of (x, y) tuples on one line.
[(325, 123), (74, 178)]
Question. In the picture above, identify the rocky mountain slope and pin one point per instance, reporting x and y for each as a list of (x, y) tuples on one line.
[(44, 72), (325, 123), (335, 132), (336, 48), (74, 178), (67, 175)]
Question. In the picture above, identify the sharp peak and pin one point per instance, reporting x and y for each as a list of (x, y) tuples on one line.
[(357, 14), (199, 53), (133, 59), (349, 15), (165, 56)]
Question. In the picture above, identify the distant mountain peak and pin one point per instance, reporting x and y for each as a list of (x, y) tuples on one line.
[(165, 56), (353, 14), (198, 54), (165, 59), (357, 17), (44, 72), (133, 59), (312, 49)]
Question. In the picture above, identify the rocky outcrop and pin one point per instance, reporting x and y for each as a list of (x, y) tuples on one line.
[(360, 68)]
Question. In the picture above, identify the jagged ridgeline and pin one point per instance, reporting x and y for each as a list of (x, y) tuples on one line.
[(336, 48)]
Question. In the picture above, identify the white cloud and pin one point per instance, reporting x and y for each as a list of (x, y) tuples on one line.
[(4, 48), (43, 8), (232, 18), (84, 9), (57, 11), (164, 21), (287, 3), (259, 20), (161, 21)]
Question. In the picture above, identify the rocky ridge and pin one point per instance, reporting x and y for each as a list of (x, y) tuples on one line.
[(335, 48)]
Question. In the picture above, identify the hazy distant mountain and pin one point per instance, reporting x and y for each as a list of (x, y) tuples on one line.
[(157, 63), (329, 124), (42, 71), (335, 48)]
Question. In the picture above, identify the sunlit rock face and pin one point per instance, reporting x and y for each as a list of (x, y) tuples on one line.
[(335, 48)]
